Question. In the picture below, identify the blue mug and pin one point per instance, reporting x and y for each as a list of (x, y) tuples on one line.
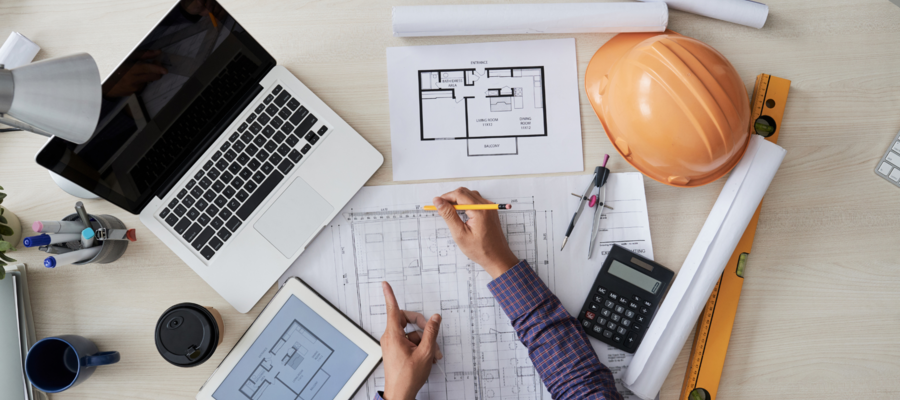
[(58, 363)]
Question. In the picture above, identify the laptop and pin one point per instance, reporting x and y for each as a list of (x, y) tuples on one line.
[(228, 158)]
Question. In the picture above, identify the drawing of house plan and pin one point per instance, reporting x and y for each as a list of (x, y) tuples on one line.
[(291, 368), (489, 108)]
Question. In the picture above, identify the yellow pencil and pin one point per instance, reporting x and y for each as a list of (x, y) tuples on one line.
[(213, 19), (474, 207)]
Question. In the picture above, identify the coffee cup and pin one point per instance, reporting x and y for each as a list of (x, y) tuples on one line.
[(187, 334), (55, 364)]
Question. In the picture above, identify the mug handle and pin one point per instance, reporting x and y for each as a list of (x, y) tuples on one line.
[(102, 358)]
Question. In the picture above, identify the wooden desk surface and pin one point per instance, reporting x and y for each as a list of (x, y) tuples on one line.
[(818, 316)]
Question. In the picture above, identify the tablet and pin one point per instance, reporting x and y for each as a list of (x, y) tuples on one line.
[(300, 347)]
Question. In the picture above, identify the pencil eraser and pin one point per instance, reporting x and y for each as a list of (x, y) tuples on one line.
[(131, 235), (87, 233), (37, 226)]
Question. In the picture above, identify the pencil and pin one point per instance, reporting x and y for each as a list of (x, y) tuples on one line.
[(474, 207), (213, 19)]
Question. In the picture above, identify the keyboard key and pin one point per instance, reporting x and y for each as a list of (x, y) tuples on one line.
[(306, 148), (164, 213), (250, 186), (234, 136), (589, 315), (268, 131), (222, 164), (246, 173), (609, 304), (190, 184), (174, 202), (277, 89), (207, 166), (216, 188), (193, 214), (207, 253), (636, 328), (632, 305), (243, 158), (182, 225), (893, 158), (282, 99), (311, 137), (234, 204), (213, 174), (272, 109), (180, 210), (203, 219), (286, 128), (629, 314), (259, 141), (201, 205), (612, 325), (623, 300), (629, 341), (233, 224), (285, 166), (266, 168), (613, 296), (215, 243), (285, 113), (216, 223), (225, 214), (259, 195), (228, 192), (262, 155), (284, 150), (640, 318), (602, 321), (620, 309), (212, 210), (605, 312), (258, 177), (203, 238), (242, 195), (607, 334), (298, 116), (621, 330), (279, 137), (275, 159), (322, 130), (197, 191), (270, 146), (230, 155), (644, 310), (618, 338), (246, 137), (253, 164), (586, 324), (259, 108), (647, 303), (221, 201), (226, 145), (237, 183), (293, 104), (251, 118), (192, 232), (224, 234), (292, 140), (295, 156), (172, 220), (626, 322), (198, 175), (895, 175), (263, 119), (188, 201), (216, 156), (255, 128), (615, 317), (885, 168), (226, 177), (268, 99), (306, 125), (251, 150), (235, 168)]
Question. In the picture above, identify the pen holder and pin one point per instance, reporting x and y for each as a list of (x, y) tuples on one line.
[(110, 250)]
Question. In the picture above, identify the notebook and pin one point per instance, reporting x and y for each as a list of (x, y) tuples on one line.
[(16, 335)]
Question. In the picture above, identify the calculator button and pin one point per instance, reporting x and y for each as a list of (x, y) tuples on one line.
[(590, 315), (613, 296), (597, 328), (636, 328), (607, 334), (594, 307), (609, 304), (632, 304), (626, 322), (647, 304), (585, 323), (606, 313), (615, 317), (602, 321), (636, 298), (623, 300), (612, 325), (620, 309), (621, 331), (629, 341), (598, 299), (601, 290), (640, 318), (618, 338), (893, 158), (629, 314), (644, 310)]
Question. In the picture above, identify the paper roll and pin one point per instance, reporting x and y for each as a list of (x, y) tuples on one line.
[(496, 19), (743, 12), (697, 277), (17, 51)]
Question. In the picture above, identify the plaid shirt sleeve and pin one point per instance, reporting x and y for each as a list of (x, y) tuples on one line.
[(558, 347)]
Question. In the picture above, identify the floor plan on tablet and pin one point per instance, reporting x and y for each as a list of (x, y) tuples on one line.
[(489, 108)]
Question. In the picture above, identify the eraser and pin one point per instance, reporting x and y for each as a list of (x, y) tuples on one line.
[(131, 235)]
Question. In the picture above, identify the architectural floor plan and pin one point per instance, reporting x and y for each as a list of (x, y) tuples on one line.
[(380, 237), (489, 108)]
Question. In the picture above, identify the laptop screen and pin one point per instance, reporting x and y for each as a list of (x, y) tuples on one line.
[(164, 105)]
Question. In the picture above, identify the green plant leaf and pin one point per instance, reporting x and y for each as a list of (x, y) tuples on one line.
[(5, 246), (3, 219), (2, 195), (2, 270), (5, 230), (4, 257)]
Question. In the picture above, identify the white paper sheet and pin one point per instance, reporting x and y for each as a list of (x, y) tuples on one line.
[(495, 19), (718, 238), (743, 12), (484, 109), (17, 51), (381, 235)]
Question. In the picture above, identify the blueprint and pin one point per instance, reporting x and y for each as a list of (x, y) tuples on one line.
[(383, 235), (484, 109)]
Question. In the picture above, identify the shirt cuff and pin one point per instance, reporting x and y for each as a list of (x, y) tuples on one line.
[(519, 290)]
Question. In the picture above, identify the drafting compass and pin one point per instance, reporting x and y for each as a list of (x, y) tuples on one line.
[(598, 180), (600, 176)]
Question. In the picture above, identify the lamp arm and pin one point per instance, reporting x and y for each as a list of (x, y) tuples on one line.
[(6, 120)]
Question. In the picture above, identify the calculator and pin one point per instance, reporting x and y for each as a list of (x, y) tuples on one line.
[(624, 298)]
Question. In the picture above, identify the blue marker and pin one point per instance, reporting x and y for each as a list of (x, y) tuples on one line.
[(71, 257), (45, 239)]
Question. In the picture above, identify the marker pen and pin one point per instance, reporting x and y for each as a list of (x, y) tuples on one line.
[(57, 226), (71, 257), (45, 239), (87, 238)]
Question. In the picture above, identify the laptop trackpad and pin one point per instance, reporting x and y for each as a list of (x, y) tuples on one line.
[(297, 214)]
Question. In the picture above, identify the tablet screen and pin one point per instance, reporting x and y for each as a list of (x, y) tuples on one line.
[(299, 355)]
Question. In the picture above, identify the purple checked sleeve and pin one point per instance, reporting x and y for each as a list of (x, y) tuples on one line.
[(558, 347)]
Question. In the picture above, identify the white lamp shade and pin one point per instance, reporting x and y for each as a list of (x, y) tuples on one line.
[(61, 96)]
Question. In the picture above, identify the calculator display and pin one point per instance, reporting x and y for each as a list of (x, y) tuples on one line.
[(634, 277)]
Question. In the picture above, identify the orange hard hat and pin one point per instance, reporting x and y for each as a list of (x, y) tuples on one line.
[(673, 106)]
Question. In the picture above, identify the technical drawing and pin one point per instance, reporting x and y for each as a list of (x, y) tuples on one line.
[(414, 252), (291, 368), (491, 109)]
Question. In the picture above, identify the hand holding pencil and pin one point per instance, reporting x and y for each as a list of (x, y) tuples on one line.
[(474, 207)]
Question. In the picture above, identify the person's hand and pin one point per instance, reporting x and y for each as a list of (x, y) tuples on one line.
[(481, 237), (138, 76), (407, 357)]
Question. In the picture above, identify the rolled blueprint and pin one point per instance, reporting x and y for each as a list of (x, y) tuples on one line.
[(743, 12), (701, 270), (496, 19), (17, 51)]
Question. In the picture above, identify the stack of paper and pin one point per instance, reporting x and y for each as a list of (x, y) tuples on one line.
[(701, 270), (16, 335)]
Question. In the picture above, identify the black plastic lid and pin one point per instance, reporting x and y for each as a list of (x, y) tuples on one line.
[(187, 335)]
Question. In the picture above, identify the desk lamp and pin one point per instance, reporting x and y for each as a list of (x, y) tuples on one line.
[(56, 97)]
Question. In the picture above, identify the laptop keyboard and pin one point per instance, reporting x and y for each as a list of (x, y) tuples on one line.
[(232, 183)]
